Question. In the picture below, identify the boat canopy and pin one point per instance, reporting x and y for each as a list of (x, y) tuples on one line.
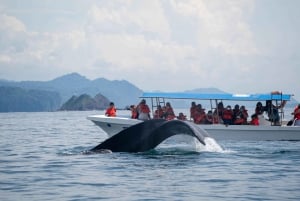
[(219, 96)]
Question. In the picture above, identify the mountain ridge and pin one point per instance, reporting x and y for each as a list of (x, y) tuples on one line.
[(121, 92)]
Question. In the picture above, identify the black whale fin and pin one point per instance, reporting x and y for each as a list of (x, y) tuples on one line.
[(148, 134)]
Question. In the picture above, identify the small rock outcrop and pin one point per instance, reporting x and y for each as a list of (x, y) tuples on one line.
[(85, 102)]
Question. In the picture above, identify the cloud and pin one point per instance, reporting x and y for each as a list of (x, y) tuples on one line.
[(168, 45), (221, 25), (21, 47), (12, 34), (5, 59), (11, 23), (146, 17)]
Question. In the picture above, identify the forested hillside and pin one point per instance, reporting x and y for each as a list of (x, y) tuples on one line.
[(16, 99)]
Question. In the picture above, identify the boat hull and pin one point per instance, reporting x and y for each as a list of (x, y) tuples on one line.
[(252, 133), (113, 125)]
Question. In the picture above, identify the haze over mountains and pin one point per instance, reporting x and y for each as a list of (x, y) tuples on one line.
[(51, 95)]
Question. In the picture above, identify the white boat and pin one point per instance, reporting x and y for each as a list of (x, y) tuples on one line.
[(267, 131)]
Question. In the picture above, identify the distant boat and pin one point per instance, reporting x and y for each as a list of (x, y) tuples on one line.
[(265, 131)]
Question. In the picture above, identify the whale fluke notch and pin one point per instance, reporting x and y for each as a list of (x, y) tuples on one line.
[(148, 134)]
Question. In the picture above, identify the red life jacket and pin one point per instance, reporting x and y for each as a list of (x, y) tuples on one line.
[(111, 112), (169, 113), (239, 121), (199, 116), (144, 108), (297, 113), (134, 114), (227, 114), (254, 122), (193, 111)]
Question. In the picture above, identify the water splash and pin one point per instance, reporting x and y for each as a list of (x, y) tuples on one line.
[(189, 143), (211, 146)]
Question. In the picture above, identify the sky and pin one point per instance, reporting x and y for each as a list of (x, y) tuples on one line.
[(238, 46)]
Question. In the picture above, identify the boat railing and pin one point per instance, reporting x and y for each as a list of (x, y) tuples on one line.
[(279, 105), (157, 101)]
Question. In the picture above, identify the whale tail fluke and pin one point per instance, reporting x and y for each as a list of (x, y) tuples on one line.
[(148, 134)]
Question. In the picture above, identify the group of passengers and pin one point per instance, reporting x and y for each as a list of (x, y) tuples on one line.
[(227, 116), (142, 112), (270, 109), (165, 112), (273, 113), (239, 115)]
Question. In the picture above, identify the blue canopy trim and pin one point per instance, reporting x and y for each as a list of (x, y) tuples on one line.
[(223, 96)]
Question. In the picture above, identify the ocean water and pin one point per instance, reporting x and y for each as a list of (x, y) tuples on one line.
[(42, 157)]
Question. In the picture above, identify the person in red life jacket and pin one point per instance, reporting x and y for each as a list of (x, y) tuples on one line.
[(181, 116), (254, 120), (159, 113), (200, 115), (297, 115), (111, 110), (193, 110), (143, 110), (227, 115), (169, 112), (134, 113), (240, 115), (296, 112)]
